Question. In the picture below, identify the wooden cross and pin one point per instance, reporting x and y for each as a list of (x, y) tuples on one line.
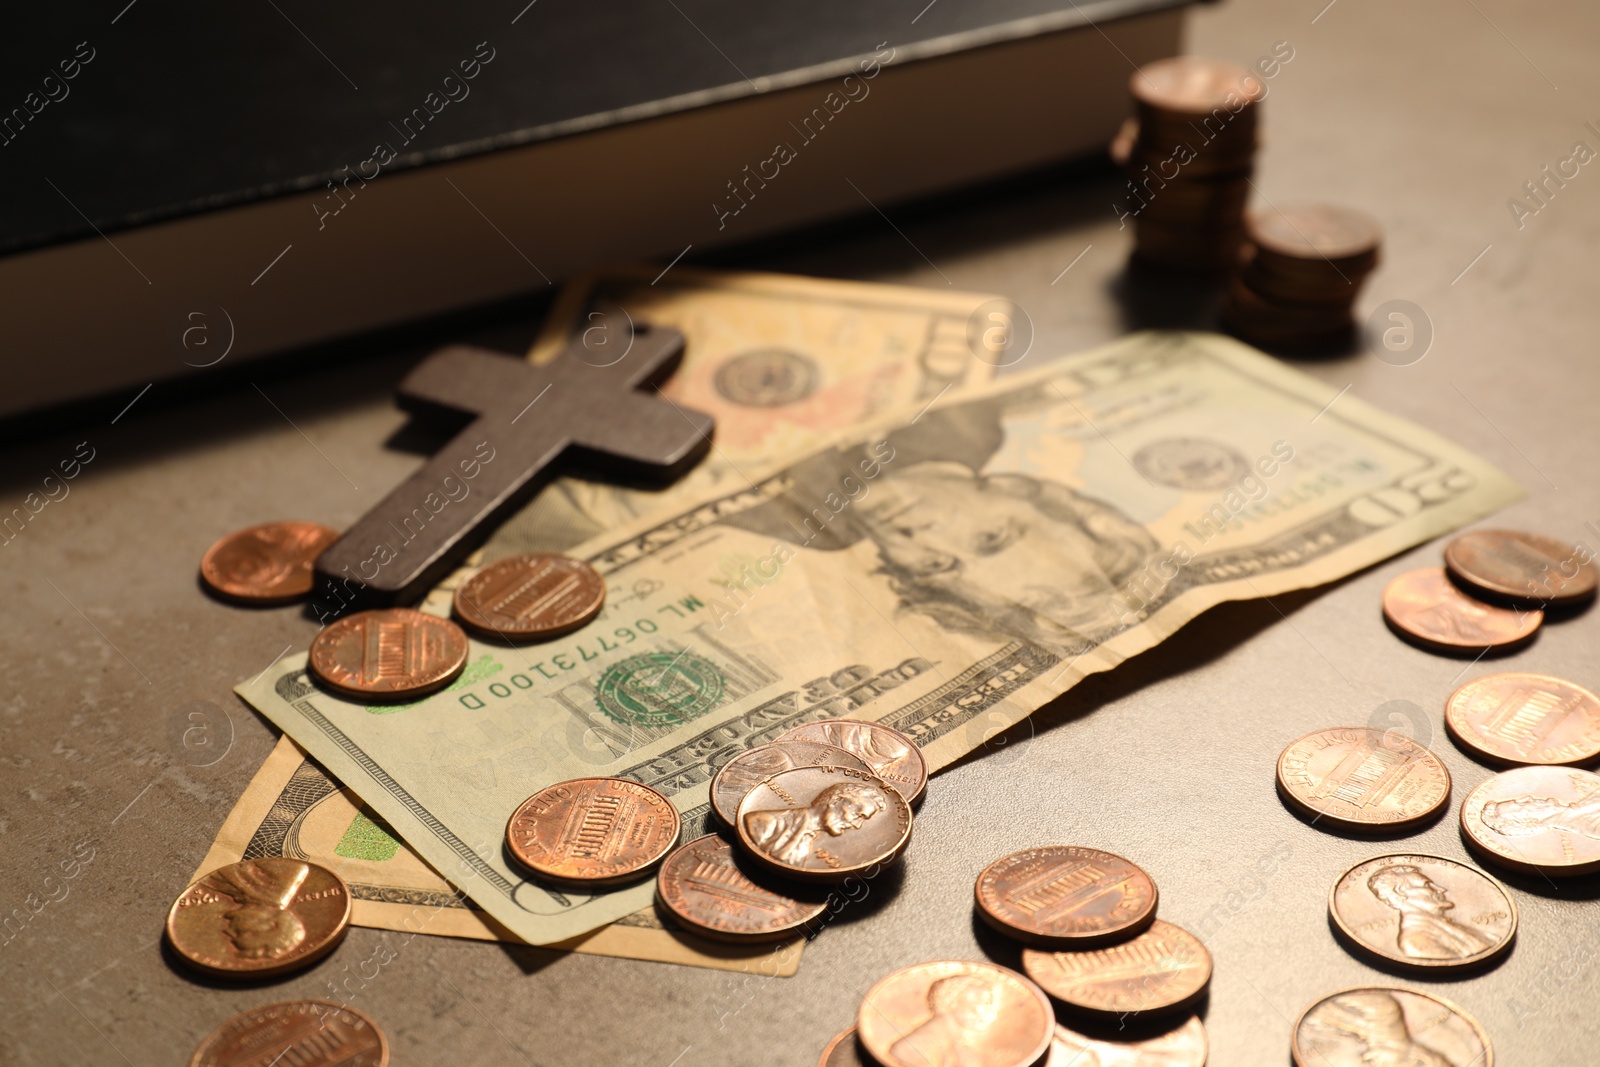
[(525, 419)]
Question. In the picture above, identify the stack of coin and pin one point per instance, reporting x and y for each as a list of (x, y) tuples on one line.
[(1189, 158), (1094, 944), (824, 802), (1492, 592), (1303, 266)]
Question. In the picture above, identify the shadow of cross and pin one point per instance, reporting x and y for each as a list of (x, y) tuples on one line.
[(526, 418)]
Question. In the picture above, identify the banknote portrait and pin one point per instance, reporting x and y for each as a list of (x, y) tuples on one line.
[(790, 834), (1001, 555), (1426, 930)]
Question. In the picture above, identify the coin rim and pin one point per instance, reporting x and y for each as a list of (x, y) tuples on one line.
[(259, 601), (341, 928), (1028, 983), (1472, 748), (1173, 1007), (1428, 644), (1520, 866), (839, 1039), (638, 874), (1492, 593), (383, 1039), (731, 936), (398, 696), (732, 824), (1427, 966), (527, 635), (832, 875), (1472, 1021), (1085, 941), (1288, 797), (922, 762)]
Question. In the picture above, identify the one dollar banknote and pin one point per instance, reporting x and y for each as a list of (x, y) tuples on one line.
[(943, 570)]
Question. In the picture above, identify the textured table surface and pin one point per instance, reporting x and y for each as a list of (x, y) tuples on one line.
[(1430, 115)]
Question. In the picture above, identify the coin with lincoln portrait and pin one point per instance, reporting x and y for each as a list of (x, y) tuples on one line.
[(823, 824), (259, 918)]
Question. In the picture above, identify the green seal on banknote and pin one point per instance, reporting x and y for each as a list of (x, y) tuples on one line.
[(659, 689)]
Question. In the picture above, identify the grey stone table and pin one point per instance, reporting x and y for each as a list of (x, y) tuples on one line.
[(1431, 115)]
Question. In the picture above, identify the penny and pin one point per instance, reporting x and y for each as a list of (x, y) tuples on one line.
[(590, 833), (1424, 607), (530, 597), (388, 654), (1063, 896), (1164, 969), (892, 755), (1528, 567), (823, 824), (1192, 85), (305, 1033), (1319, 233), (843, 1051), (1539, 820), (1519, 718), (259, 918), (949, 1012), (1423, 912), (266, 564), (704, 889), (745, 771), (1184, 1046), (1361, 778), (1372, 1024)]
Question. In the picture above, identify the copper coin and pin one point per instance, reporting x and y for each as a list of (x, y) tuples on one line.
[(1539, 820), (266, 564), (892, 755), (1423, 912), (1183, 1046), (704, 889), (259, 918), (1519, 718), (1317, 232), (1514, 565), (955, 1012), (1361, 778), (823, 824), (1426, 608), (1062, 896), (1384, 1024), (843, 1051), (530, 597), (749, 768), (1164, 969), (1192, 85), (388, 654), (590, 833), (304, 1033)]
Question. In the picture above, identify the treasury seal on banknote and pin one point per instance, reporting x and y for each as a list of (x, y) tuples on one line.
[(660, 689)]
